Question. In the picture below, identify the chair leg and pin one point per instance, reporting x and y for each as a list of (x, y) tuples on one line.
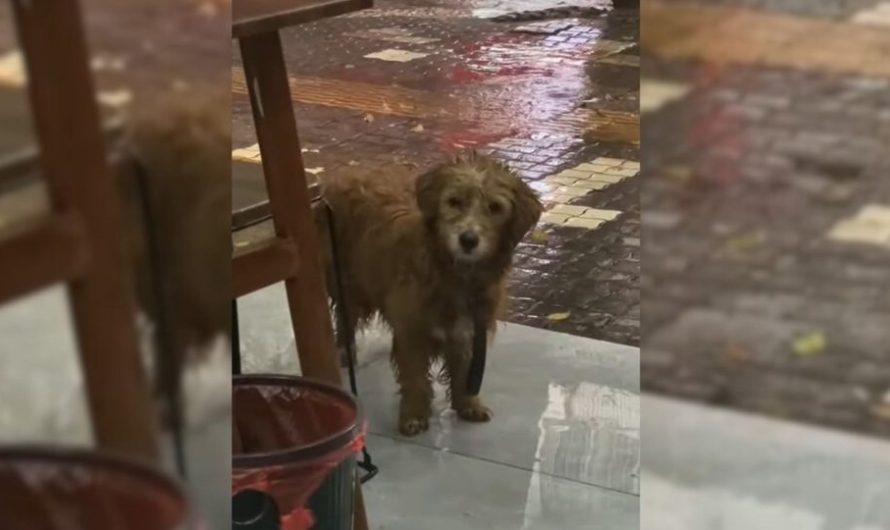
[(290, 202), (75, 166)]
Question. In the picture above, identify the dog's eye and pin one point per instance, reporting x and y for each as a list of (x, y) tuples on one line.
[(495, 207), (455, 202)]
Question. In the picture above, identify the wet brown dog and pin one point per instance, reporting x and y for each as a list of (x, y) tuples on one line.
[(419, 254)]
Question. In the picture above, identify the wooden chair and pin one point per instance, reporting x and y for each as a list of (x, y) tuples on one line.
[(79, 240), (292, 254)]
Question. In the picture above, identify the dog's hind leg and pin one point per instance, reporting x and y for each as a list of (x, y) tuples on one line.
[(412, 357), (457, 365)]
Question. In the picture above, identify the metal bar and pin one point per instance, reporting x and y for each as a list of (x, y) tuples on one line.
[(236, 340), (66, 122)]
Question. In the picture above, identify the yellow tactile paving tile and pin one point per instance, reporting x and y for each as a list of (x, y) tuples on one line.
[(12, 69), (877, 15), (366, 97), (250, 153), (726, 35), (655, 93), (393, 100), (396, 55), (599, 125), (560, 188), (870, 225)]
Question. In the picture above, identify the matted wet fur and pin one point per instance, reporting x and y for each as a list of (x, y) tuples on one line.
[(416, 250), (178, 221)]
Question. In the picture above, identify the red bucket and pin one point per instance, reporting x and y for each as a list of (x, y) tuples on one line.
[(289, 434), (50, 489)]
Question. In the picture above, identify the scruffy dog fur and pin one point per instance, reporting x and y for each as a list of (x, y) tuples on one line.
[(178, 220), (417, 252)]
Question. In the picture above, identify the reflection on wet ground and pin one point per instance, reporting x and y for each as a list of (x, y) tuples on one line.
[(550, 87), (766, 210), (563, 449), (716, 469)]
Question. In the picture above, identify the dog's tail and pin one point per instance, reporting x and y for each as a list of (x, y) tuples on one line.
[(178, 149), (181, 145)]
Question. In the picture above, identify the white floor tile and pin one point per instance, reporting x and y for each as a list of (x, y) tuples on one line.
[(563, 405), (424, 488), (722, 470)]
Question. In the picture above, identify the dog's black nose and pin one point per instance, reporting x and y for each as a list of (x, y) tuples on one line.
[(469, 241)]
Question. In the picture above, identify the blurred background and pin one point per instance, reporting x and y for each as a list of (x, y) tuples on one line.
[(766, 245), (140, 50), (765, 313)]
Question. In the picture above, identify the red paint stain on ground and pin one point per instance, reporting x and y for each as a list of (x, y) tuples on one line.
[(462, 75)]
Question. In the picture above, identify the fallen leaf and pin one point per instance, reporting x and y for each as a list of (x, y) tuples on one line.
[(810, 344), (369, 118), (678, 173), (418, 128), (737, 354), (115, 98), (746, 242), (558, 317), (881, 411), (540, 236)]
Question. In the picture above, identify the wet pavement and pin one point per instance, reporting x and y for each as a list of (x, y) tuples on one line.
[(138, 48), (718, 469), (569, 407), (549, 87), (766, 284)]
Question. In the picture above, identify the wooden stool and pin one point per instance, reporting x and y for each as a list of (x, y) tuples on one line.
[(293, 254), (79, 240)]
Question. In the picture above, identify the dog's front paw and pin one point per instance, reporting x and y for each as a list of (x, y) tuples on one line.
[(473, 410), (413, 426)]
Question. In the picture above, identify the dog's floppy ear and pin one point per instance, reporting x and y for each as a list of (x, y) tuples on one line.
[(527, 210), (428, 190)]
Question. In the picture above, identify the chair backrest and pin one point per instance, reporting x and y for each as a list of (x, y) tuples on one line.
[(80, 241)]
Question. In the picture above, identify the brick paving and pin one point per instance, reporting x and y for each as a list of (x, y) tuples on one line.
[(766, 283), (833, 9), (554, 87), (138, 47)]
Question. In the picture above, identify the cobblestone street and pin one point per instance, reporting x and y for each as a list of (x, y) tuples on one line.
[(549, 88), (766, 284)]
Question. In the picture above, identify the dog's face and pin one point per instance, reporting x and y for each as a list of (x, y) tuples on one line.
[(477, 207)]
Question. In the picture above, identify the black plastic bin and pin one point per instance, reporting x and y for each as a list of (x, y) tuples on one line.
[(294, 446)]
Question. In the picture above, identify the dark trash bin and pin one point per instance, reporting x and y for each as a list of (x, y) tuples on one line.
[(53, 489), (294, 446)]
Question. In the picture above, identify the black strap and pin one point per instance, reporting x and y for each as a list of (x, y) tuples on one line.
[(236, 340), (480, 346), (346, 335)]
